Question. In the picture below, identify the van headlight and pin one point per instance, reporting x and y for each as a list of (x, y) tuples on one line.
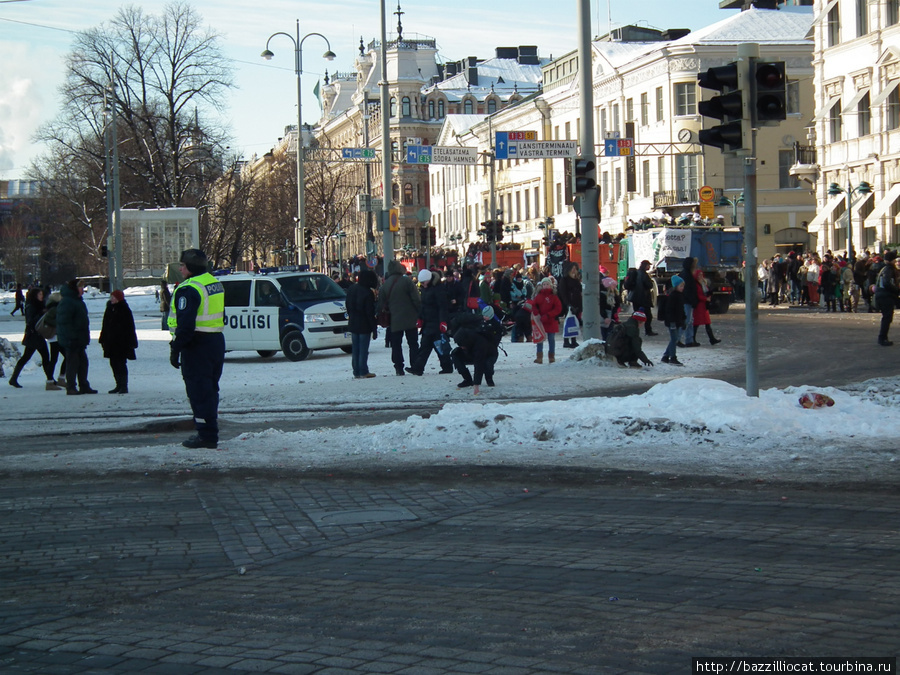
[(316, 318)]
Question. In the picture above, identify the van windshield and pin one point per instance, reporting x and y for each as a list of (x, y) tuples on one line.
[(310, 288)]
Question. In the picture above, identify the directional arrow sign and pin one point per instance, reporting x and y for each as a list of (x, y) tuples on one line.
[(357, 153)]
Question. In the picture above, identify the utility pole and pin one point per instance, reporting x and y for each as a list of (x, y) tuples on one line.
[(590, 208), (387, 193)]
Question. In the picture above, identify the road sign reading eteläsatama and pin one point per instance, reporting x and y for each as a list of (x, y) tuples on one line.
[(440, 154)]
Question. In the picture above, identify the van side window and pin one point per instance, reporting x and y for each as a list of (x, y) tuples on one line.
[(266, 294), (237, 293)]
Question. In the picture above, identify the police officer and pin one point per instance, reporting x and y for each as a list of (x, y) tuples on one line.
[(196, 321)]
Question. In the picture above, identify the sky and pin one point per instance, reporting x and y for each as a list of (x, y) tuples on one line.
[(35, 36), (686, 423)]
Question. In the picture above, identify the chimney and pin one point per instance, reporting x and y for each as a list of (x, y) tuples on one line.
[(472, 75)]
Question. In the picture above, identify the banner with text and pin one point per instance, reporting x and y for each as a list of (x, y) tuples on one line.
[(655, 245)]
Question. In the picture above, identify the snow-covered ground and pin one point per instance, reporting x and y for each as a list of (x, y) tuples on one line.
[(686, 423)]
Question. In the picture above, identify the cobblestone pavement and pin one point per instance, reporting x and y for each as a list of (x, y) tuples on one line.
[(241, 574)]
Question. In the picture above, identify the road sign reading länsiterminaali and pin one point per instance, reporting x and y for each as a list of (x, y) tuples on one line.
[(524, 145)]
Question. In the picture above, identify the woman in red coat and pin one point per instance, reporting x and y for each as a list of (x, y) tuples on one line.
[(547, 307), (701, 311)]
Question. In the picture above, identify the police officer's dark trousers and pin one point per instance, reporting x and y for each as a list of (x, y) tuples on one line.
[(201, 368)]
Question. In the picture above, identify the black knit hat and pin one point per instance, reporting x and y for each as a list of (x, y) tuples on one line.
[(195, 260)]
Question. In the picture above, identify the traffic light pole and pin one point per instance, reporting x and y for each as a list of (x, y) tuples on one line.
[(590, 203), (492, 217), (749, 52)]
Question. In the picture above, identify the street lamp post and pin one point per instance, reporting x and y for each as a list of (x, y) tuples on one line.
[(863, 188), (733, 203), (340, 237), (511, 231), (301, 181)]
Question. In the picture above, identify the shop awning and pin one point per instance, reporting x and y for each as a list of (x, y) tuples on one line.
[(851, 106), (825, 213), (826, 108), (884, 93), (883, 206)]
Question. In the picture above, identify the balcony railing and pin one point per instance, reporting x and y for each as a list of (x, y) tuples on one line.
[(680, 197), (804, 154)]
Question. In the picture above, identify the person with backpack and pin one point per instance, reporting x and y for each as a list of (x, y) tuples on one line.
[(34, 341), (643, 295)]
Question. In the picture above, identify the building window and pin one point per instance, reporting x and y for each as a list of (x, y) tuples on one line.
[(687, 176), (603, 123), (646, 177), (834, 119), (618, 185), (395, 151), (559, 199), (645, 108), (468, 107), (792, 105), (527, 202), (864, 116), (568, 131), (407, 194), (604, 187), (629, 110), (431, 110), (492, 106), (862, 17), (659, 105), (615, 118), (406, 112), (393, 107), (833, 27), (785, 180), (537, 202), (441, 109), (891, 13), (892, 110), (685, 98), (660, 173)]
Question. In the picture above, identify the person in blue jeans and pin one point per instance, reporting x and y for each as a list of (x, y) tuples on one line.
[(674, 317), (691, 299), (361, 321)]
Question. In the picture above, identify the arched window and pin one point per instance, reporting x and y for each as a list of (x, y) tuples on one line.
[(441, 109), (405, 108), (431, 110), (468, 107), (408, 194), (395, 151), (393, 107), (492, 105)]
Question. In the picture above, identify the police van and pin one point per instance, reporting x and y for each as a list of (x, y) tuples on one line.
[(296, 312)]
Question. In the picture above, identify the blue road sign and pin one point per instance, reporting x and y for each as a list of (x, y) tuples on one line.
[(501, 145)]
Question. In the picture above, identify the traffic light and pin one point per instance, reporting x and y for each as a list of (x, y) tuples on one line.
[(731, 107), (585, 175), (487, 230), (770, 96), (498, 230), (423, 236), (307, 239)]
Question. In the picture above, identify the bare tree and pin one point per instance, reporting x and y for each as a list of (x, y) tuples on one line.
[(163, 75)]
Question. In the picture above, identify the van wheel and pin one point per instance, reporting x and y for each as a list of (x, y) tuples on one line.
[(266, 353), (347, 350), (294, 346)]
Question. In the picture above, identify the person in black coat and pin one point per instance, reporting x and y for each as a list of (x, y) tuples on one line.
[(362, 324), (642, 295), (433, 317), (569, 292), (887, 295), (73, 331), (34, 341), (118, 338), (478, 338)]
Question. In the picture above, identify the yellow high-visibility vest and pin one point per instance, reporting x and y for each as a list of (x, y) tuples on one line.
[(211, 312)]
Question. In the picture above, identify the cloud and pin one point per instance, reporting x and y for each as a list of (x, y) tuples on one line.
[(22, 107)]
